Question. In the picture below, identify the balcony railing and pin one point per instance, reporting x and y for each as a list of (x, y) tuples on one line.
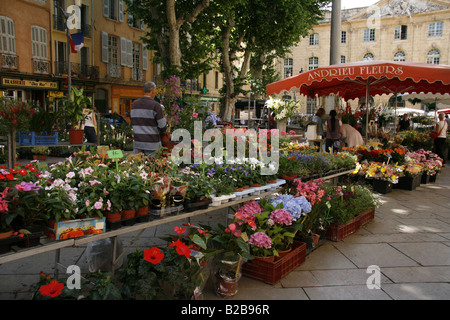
[(77, 70), (114, 71), (9, 61), (41, 66)]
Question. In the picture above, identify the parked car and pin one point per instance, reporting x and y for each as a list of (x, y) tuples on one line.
[(114, 118)]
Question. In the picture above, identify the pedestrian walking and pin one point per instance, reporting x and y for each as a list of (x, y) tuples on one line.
[(148, 121), (333, 133), (439, 142)]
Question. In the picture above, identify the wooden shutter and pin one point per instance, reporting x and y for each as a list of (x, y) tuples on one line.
[(106, 8), (121, 10), (105, 57), (130, 53), (144, 57), (123, 52)]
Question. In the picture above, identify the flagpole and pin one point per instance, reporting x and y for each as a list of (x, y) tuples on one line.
[(69, 67)]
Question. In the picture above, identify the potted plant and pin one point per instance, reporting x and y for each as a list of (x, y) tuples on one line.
[(39, 153), (74, 107), (232, 251)]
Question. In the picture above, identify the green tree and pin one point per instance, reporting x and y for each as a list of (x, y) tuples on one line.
[(169, 34)]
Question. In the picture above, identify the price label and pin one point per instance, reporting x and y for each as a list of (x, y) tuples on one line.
[(115, 154)]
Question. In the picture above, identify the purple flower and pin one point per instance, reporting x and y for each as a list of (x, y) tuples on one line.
[(27, 186)]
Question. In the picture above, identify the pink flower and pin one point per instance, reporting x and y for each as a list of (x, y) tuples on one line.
[(195, 115), (260, 240), (281, 216), (98, 205), (292, 132)]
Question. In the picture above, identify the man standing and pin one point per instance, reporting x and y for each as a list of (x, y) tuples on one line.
[(148, 121)]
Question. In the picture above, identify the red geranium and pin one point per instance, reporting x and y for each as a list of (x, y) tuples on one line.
[(182, 249), (153, 255), (53, 289), (179, 230)]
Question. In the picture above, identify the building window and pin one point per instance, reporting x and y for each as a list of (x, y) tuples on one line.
[(113, 9), (314, 39), (401, 32), (434, 56), (369, 35), (288, 67), (368, 57), (313, 63), (400, 56), (137, 70), (216, 86), (113, 50), (39, 43), (343, 37), (7, 36), (435, 29), (310, 105), (343, 59)]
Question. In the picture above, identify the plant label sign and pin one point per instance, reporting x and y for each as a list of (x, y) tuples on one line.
[(115, 154)]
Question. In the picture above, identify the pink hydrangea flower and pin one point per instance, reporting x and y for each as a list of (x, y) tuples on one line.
[(260, 240), (281, 216)]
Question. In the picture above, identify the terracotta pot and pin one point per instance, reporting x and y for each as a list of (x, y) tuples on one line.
[(266, 259), (113, 216), (239, 189), (76, 136), (128, 214), (315, 238), (35, 157), (256, 185), (246, 187), (142, 211), (6, 234), (281, 254), (272, 181), (42, 157), (289, 177)]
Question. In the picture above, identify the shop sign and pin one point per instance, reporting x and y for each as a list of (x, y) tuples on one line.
[(11, 82)]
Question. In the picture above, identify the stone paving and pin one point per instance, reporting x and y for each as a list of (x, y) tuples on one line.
[(409, 240)]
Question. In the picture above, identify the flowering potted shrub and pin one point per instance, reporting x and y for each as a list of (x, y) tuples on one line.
[(15, 114), (232, 251), (74, 106), (282, 110), (288, 168)]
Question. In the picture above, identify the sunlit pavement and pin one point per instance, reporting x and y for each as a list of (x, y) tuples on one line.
[(409, 240)]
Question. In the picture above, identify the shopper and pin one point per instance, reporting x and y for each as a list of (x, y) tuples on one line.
[(351, 136), (333, 132), (439, 142), (318, 119), (90, 125), (148, 121), (403, 124)]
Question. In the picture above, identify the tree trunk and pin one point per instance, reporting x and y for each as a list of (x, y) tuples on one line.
[(174, 35), (226, 111)]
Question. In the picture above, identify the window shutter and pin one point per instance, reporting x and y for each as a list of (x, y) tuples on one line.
[(121, 10), (123, 52), (105, 57), (106, 8), (144, 57), (130, 53), (12, 37)]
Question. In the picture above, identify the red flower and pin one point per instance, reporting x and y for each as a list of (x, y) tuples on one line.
[(179, 230), (10, 176), (182, 249), (22, 172), (53, 289), (13, 171), (33, 169), (153, 255), (201, 231)]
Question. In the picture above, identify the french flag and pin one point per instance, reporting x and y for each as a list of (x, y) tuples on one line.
[(76, 42)]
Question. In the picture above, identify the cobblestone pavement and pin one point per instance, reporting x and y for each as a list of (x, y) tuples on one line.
[(409, 240)]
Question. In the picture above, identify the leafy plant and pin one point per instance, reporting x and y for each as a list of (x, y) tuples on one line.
[(75, 105)]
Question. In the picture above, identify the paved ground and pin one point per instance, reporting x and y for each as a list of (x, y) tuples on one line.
[(409, 240)]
